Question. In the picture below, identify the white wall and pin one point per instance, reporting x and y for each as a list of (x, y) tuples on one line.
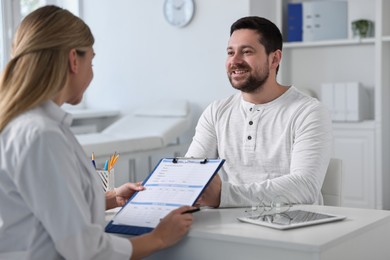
[(140, 58)]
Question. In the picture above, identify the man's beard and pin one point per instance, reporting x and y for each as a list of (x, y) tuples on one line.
[(251, 84)]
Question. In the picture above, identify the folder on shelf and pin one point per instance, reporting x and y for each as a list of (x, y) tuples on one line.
[(325, 20), (174, 182), (339, 105), (294, 22), (347, 101), (357, 102), (327, 96)]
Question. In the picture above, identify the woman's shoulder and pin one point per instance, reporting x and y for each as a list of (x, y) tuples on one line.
[(29, 126)]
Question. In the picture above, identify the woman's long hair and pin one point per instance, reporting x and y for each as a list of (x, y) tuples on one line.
[(38, 68)]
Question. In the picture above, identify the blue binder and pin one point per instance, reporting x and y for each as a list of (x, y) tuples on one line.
[(294, 22)]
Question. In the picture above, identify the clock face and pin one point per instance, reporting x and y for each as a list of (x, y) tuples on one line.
[(179, 12)]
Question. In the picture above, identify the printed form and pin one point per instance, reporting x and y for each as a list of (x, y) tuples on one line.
[(172, 184)]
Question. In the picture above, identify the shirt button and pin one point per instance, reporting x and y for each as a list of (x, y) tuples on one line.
[(249, 137), (250, 122), (250, 109)]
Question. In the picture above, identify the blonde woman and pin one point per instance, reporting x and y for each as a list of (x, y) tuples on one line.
[(51, 204)]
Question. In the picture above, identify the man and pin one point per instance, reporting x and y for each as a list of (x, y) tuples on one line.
[(275, 139)]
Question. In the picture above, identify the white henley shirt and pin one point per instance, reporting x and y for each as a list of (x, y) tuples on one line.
[(279, 148)]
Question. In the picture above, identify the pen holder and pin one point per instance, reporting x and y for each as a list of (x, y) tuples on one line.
[(107, 178)]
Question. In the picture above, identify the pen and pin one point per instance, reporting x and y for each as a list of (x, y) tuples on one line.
[(93, 160), (191, 211), (113, 160), (106, 165)]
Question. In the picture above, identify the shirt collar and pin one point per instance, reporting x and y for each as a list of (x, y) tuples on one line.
[(252, 107), (57, 113)]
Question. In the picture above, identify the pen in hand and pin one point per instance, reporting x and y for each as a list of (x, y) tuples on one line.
[(191, 211)]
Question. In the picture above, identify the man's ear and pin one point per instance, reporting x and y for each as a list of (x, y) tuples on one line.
[(73, 62), (277, 57)]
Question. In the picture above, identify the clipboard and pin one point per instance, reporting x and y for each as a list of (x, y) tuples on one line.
[(174, 182)]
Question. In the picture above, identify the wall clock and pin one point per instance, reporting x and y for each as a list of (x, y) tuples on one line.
[(179, 13)]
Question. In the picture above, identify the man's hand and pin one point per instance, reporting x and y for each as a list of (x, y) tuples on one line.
[(211, 196)]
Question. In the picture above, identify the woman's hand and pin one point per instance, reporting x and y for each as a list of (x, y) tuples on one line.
[(173, 226), (119, 196), (125, 191), (168, 232)]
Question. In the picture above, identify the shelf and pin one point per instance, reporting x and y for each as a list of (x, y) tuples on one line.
[(363, 146), (346, 42), (367, 124)]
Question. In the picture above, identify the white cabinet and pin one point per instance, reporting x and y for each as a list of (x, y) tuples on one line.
[(363, 146), (356, 148)]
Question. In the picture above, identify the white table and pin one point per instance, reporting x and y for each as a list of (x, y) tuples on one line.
[(217, 234)]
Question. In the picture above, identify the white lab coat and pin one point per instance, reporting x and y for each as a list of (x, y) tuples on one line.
[(51, 203)]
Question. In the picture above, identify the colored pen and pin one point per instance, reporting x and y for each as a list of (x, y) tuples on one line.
[(191, 211), (113, 160), (106, 165), (93, 160)]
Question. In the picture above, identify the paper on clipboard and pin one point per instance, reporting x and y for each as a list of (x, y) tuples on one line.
[(173, 183)]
